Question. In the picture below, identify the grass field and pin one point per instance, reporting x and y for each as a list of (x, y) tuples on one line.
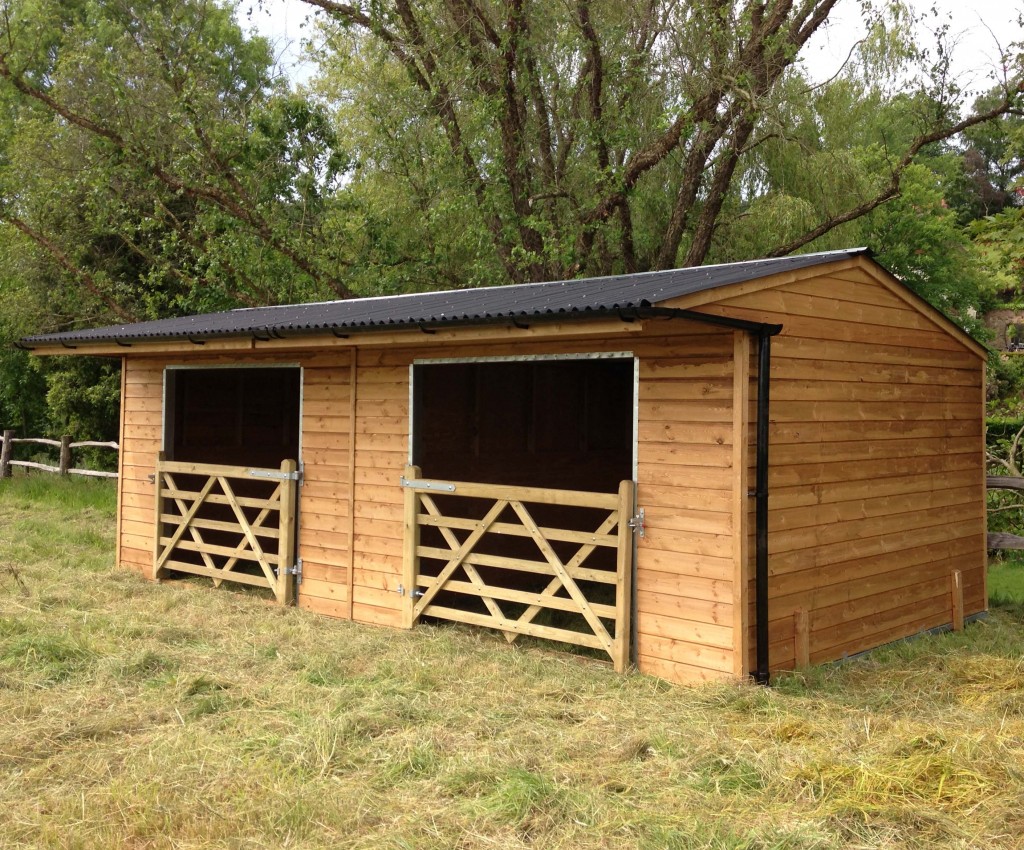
[(174, 716)]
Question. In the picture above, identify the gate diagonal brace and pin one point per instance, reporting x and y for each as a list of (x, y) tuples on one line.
[(470, 570), (555, 584), (456, 561), (571, 587)]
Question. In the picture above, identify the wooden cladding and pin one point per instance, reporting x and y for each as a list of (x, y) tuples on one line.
[(226, 530), (471, 578)]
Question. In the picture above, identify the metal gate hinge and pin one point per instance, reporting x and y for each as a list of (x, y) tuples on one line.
[(277, 476), (638, 523), (423, 484)]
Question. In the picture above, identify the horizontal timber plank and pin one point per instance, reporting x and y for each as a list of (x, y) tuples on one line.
[(217, 499), (325, 607), (838, 329), (885, 351), (717, 433), (506, 594), (879, 320), (653, 472), (710, 657), (685, 563), (506, 625), (670, 540), (523, 565), (685, 608), (374, 616), (689, 411), (857, 450), (210, 469), (227, 551), (822, 555), (518, 530), (796, 369), (714, 390), (699, 500), (695, 587), (237, 578), (532, 495), (323, 589), (680, 519), (710, 454), (691, 631), (683, 674), (850, 391), (817, 473), (822, 492), (218, 525), (871, 411)]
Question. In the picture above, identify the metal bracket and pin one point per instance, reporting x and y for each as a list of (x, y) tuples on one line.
[(295, 571), (400, 590), (277, 476), (638, 523), (422, 484)]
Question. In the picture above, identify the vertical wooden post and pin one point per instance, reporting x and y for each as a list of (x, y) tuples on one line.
[(65, 454), (410, 543), (352, 397), (741, 504), (5, 454), (957, 595), (801, 638), (285, 589), (158, 504), (623, 578)]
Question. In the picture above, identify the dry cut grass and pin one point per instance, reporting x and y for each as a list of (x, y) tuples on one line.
[(174, 716)]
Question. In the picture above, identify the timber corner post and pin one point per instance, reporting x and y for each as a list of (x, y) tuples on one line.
[(284, 590), (410, 545)]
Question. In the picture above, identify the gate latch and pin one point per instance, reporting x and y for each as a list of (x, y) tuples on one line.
[(295, 571), (638, 523)]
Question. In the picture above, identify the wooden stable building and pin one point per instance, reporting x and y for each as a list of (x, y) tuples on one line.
[(710, 472)]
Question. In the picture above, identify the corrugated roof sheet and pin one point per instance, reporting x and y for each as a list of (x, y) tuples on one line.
[(566, 299)]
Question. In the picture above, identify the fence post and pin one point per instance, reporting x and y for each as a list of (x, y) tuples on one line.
[(5, 454), (285, 590), (957, 598), (410, 543), (65, 454), (801, 639), (624, 577)]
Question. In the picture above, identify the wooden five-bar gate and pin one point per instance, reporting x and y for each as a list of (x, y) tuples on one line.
[(228, 523), (477, 554)]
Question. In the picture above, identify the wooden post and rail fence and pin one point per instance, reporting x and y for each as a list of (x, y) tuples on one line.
[(65, 447)]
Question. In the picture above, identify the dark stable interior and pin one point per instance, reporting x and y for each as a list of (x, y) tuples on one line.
[(565, 424), (238, 417), (561, 424)]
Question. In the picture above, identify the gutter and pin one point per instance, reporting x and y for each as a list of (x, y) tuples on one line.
[(764, 333)]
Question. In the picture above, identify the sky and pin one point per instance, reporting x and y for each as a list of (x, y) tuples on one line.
[(978, 24)]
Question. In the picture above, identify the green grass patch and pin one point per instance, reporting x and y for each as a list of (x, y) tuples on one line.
[(1006, 580), (174, 715)]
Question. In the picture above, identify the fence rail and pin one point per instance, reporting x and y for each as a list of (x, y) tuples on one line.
[(64, 445)]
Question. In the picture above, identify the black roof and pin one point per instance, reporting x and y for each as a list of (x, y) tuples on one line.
[(566, 299)]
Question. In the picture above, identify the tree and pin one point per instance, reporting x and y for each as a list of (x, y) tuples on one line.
[(593, 136), (148, 153)]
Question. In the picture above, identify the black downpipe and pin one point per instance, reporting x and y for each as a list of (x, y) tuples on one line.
[(764, 364)]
